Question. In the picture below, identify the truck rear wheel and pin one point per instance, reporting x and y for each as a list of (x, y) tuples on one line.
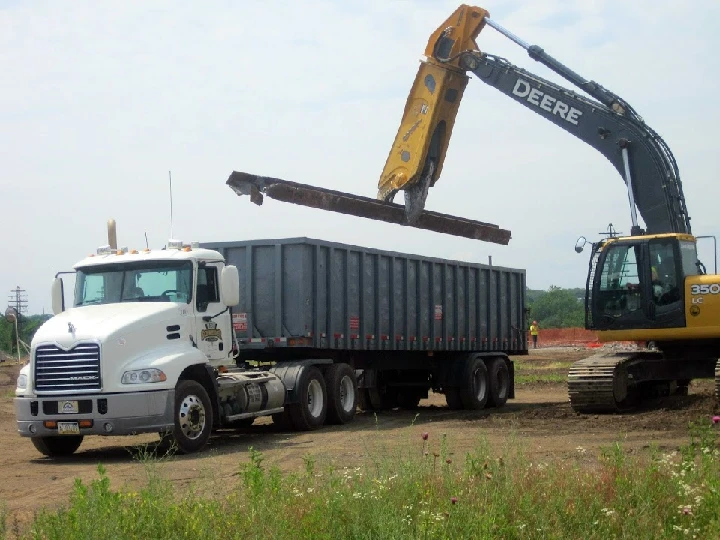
[(193, 417), (474, 385), (342, 393), (311, 411), (57, 446), (499, 381)]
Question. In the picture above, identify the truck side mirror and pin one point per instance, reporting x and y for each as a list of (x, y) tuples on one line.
[(580, 244), (57, 293), (230, 286)]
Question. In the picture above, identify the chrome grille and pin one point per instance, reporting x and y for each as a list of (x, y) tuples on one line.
[(59, 371)]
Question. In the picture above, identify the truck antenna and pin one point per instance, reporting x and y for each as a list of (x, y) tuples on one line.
[(171, 204), (147, 245)]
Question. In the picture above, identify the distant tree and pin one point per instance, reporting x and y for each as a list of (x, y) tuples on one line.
[(558, 308), (28, 327)]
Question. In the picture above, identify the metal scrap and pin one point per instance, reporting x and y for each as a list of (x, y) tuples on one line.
[(256, 186)]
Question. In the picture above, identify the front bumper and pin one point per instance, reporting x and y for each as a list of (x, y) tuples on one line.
[(111, 414)]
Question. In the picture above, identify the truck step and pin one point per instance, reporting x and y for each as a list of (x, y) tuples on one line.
[(255, 414)]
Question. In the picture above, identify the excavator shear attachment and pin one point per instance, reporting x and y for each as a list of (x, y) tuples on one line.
[(256, 187), (416, 157)]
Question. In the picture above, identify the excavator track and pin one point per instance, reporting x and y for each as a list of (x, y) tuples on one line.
[(600, 383)]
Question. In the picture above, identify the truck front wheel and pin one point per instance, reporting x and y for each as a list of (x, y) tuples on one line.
[(57, 446), (193, 417)]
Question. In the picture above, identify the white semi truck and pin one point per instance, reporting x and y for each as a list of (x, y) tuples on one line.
[(150, 344), (148, 347)]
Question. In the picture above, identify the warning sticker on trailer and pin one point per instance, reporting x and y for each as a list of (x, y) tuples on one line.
[(354, 323), (438, 312), (240, 322)]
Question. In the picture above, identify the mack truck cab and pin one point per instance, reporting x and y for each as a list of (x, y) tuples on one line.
[(147, 346)]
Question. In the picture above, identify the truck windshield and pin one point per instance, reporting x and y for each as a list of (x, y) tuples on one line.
[(147, 281)]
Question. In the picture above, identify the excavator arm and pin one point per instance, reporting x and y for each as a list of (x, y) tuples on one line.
[(607, 123), (603, 120), (638, 153)]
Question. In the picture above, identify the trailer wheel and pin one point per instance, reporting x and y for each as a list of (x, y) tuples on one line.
[(342, 393), (474, 385), (499, 380), (57, 446), (193, 417), (311, 411)]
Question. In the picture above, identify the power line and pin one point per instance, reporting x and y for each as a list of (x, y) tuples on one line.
[(17, 300)]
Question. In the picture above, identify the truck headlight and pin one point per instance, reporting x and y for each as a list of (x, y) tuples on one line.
[(22, 381), (141, 376)]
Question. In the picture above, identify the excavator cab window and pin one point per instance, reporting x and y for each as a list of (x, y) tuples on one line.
[(640, 284), (619, 292), (664, 272)]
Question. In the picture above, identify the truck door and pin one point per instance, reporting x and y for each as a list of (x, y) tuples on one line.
[(213, 328)]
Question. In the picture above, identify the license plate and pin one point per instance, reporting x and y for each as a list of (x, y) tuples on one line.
[(68, 428), (68, 407)]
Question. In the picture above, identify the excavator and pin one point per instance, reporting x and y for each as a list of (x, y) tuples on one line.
[(646, 287)]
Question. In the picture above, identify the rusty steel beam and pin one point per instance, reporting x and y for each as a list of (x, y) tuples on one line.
[(255, 186)]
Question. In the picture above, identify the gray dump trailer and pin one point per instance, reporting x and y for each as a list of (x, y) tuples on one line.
[(406, 324)]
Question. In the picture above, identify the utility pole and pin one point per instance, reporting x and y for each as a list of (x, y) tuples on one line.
[(17, 300)]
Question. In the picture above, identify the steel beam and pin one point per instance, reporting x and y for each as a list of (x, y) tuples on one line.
[(256, 186)]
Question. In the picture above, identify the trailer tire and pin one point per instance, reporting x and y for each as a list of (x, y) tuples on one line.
[(342, 392), (499, 381), (311, 410), (57, 446), (193, 417), (474, 385), (364, 399)]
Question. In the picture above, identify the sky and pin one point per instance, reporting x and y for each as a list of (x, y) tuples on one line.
[(100, 100)]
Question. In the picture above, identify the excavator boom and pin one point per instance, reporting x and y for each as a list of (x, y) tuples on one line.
[(606, 122), (603, 120)]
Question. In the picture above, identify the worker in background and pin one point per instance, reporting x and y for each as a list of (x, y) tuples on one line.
[(534, 333)]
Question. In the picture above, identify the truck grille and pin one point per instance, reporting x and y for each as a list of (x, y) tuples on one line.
[(59, 371)]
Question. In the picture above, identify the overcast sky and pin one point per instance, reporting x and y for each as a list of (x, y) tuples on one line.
[(99, 100)]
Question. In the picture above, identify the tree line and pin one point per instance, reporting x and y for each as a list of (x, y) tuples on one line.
[(557, 307), (27, 326)]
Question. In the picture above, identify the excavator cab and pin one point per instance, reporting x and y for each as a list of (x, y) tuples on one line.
[(639, 282)]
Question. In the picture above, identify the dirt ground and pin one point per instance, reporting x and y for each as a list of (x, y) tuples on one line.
[(539, 420)]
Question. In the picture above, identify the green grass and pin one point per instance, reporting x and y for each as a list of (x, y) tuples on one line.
[(427, 493), (529, 371)]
